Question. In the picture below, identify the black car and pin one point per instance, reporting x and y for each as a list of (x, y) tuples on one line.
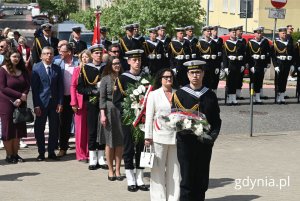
[(18, 11)]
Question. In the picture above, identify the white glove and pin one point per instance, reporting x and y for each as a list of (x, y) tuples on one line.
[(217, 71), (175, 71), (252, 69), (298, 68), (242, 69), (146, 69), (292, 69), (226, 71), (269, 65), (277, 69)]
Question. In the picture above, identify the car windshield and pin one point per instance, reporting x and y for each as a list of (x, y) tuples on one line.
[(64, 35), (87, 38)]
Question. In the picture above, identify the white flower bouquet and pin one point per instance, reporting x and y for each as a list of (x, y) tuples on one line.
[(179, 120)]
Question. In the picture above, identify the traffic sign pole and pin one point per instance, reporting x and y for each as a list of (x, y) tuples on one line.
[(275, 23)]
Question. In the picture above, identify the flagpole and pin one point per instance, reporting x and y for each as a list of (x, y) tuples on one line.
[(96, 37)]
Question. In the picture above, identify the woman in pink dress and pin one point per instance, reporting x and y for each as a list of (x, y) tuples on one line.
[(80, 110)]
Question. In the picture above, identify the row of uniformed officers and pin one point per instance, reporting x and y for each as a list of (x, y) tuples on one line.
[(233, 55)]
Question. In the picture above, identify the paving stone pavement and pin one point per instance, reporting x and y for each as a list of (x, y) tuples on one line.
[(242, 169)]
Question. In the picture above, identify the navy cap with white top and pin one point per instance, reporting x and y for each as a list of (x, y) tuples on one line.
[(152, 30), (162, 26), (128, 27), (232, 29), (194, 64), (190, 27), (239, 28), (95, 48), (206, 28), (136, 25), (282, 29), (46, 25), (134, 53), (179, 29)]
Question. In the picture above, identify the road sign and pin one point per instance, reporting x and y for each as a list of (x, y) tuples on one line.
[(277, 13), (278, 3)]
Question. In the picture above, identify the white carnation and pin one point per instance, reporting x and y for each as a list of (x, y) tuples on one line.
[(136, 92), (187, 124), (144, 81)]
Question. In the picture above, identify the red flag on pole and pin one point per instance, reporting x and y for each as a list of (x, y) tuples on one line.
[(96, 37)]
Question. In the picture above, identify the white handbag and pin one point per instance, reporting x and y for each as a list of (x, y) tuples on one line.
[(147, 157)]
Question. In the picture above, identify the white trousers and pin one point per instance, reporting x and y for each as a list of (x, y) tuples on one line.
[(165, 174)]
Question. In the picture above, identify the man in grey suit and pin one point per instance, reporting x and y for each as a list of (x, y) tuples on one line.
[(67, 63), (47, 94)]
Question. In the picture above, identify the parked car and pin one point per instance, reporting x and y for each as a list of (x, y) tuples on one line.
[(63, 30), (40, 21), (18, 11)]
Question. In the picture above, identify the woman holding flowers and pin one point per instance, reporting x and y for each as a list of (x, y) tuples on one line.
[(165, 173), (110, 127)]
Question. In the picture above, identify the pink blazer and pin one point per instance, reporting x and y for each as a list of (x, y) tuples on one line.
[(76, 98)]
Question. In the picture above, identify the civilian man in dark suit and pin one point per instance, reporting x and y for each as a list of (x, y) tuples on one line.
[(42, 41), (47, 94), (79, 45)]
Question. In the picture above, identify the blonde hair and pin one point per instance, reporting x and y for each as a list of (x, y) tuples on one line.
[(87, 52), (22, 38)]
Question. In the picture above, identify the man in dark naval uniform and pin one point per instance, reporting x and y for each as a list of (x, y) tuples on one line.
[(136, 33), (282, 58), (189, 35), (88, 85), (179, 52), (42, 41), (78, 44), (258, 58), (208, 52), (127, 43), (154, 50), (131, 149), (161, 35), (243, 44), (219, 41), (106, 43), (194, 152)]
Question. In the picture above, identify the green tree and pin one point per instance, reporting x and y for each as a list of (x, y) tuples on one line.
[(172, 13), (61, 8), (85, 17)]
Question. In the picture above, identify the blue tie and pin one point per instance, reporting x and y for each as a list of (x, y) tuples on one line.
[(49, 73)]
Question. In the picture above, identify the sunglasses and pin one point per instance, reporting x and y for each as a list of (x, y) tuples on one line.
[(167, 77)]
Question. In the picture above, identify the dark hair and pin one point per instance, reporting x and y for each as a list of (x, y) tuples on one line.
[(8, 63), (159, 75), (113, 45), (108, 70), (69, 47)]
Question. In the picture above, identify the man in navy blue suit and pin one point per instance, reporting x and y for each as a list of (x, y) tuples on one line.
[(47, 93)]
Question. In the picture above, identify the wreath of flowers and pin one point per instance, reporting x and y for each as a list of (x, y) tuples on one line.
[(134, 106)]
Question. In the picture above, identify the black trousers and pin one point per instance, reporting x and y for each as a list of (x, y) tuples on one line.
[(65, 119), (92, 123), (233, 79), (281, 78), (211, 79), (131, 150), (257, 79), (194, 159)]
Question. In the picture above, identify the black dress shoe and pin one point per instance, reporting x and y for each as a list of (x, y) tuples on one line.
[(11, 159), (53, 157), (240, 98), (143, 188), (93, 167), (105, 167), (119, 178), (41, 157), (113, 178), (132, 188), (19, 158)]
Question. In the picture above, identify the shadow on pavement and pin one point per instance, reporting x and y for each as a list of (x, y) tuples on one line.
[(216, 183), (15, 177), (235, 198)]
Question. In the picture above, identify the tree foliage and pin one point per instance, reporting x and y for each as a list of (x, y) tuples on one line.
[(85, 17), (172, 13), (60, 8)]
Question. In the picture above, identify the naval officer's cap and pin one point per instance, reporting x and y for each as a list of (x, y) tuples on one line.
[(95, 48), (162, 26), (46, 26), (258, 30), (239, 28), (190, 27), (282, 29), (206, 28), (76, 29), (103, 29), (136, 25), (179, 29), (232, 29), (129, 27), (137, 53), (194, 65), (215, 28), (152, 30)]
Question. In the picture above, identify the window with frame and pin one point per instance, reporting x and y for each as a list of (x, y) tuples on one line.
[(225, 6), (232, 6)]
